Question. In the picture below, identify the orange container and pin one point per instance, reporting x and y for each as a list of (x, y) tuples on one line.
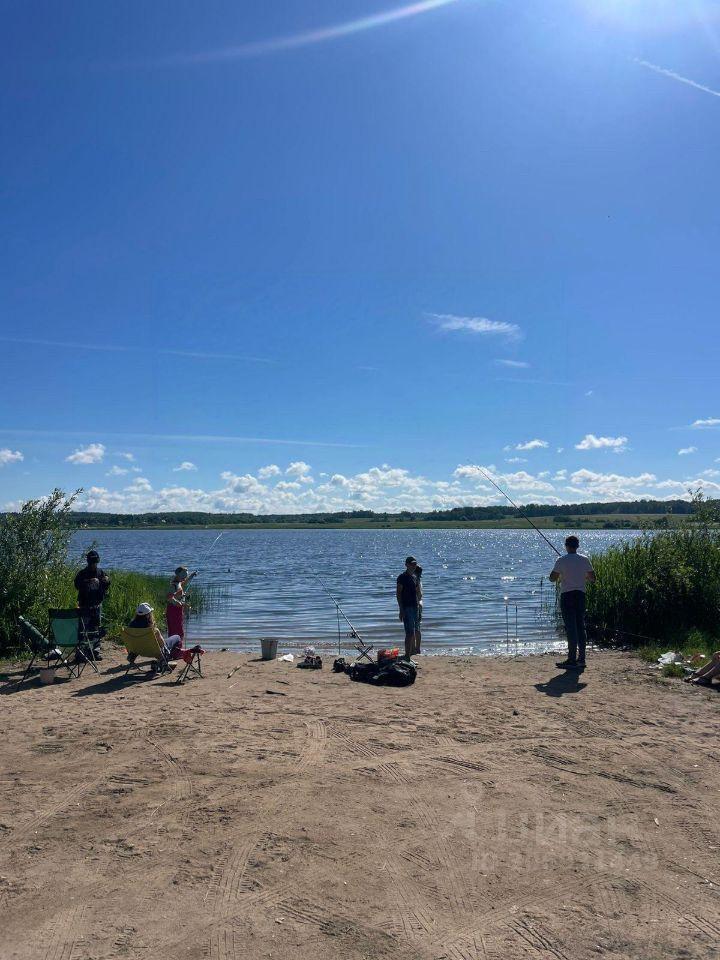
[(390, 654)]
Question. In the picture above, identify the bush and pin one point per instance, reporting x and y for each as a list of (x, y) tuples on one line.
[(33, 558), (660, 587)]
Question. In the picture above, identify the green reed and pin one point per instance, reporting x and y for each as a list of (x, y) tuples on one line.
[(664, 586)]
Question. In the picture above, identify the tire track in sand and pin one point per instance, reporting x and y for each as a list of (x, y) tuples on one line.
[(231, 889)]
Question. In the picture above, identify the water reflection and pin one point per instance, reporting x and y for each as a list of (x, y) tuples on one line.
[(482, 588)]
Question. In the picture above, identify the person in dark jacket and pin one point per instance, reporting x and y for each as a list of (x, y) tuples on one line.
[(92, 585), (409, 595)]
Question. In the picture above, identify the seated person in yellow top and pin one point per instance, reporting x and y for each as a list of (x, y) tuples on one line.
[(144, 618)]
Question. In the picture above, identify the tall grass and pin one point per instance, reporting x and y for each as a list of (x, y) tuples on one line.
[(127, 590), (662, 586)]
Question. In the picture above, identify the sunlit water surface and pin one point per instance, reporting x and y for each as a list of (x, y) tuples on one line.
[(486, 591)]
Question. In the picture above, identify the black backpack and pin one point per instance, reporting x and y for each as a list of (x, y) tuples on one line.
[(396, 673)]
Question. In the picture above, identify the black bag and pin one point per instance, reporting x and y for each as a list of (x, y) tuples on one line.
[(396, 673), (311, 663)]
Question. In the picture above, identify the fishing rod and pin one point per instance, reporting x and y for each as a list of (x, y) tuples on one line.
[(203, 559), (355, 635), (624, 633), (208, 551), (523, 515), (341, 613)]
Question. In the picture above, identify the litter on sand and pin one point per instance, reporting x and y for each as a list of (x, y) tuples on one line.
[(312, 661), (288, 657)]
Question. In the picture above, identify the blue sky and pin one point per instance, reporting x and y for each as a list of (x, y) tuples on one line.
[(318, 255)]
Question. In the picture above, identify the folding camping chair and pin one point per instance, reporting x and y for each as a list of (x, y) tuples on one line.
[(143, 642), (193, 667), (39, 646), (69, 635)]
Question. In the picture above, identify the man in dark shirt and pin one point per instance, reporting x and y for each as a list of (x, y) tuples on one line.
[(92, 584), (409, 593)]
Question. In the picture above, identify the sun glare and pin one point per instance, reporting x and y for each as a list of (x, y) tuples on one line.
[(654, 14)]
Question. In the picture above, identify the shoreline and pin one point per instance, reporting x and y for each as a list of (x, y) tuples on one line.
[(602, 523)]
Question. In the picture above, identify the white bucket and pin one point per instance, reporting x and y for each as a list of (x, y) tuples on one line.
[(47, 675), (269, 648)]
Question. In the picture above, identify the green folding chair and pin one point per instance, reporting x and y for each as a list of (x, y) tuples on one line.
[(39, 646), (70, 636)]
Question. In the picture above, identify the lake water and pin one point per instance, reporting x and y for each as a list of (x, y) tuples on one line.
[(486, 591)]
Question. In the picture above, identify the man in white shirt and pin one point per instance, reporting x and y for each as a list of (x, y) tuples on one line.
[(573, 571)]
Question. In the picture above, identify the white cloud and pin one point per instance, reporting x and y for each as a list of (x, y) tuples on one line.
[(705, 424), (516, 460), (116, 471), (521, 480), (300, 470), (126, 456), (533, 445), (388, 488), (591, 442), (271, 470), (480, 325), (610, 485), (681, 487), (186, 466), (685, 451), (516, 364), (140, 484), (93, 453), (246, 483), (10, 456)]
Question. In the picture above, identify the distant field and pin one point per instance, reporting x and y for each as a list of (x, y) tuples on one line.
[(599, 521)]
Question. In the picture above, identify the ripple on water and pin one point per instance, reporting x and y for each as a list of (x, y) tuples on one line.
[(267, 585)]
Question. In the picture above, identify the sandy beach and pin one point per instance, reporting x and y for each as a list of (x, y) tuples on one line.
[(496, 809)]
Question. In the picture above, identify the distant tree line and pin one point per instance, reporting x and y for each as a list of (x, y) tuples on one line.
[(467, 514)]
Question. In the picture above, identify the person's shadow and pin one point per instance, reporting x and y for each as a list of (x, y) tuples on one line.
[(566, 682)]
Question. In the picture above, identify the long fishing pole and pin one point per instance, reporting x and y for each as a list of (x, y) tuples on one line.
[(523, 515), (208, 551), (624, 633), (354, 634), (204, 557)]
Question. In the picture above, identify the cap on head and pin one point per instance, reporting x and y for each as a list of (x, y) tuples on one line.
[(143, 609), (410, 560), (181, 571), (93, 557), (572, 542)]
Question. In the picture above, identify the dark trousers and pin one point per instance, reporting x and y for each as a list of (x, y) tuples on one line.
[(91, 618), (572, 606)]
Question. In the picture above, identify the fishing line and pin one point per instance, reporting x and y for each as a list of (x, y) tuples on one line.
[(203, 559), (341, 613), (523, 515), (208, 551), (597, 626)]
